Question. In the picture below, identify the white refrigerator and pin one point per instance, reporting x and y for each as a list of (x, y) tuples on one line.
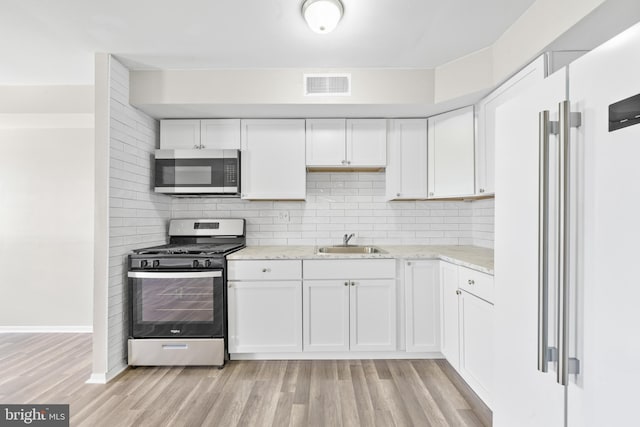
[(567, 240)]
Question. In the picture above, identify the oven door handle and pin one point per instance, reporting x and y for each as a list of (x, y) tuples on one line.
[(174, 274)]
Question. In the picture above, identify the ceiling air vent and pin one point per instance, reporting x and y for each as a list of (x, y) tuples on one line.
[(327, 84)]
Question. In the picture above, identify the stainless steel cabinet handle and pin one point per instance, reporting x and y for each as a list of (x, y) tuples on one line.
[(543, 241), (346, 283), (353, 283), (471, 282), (482, 190), (266, 270), (458, 292)]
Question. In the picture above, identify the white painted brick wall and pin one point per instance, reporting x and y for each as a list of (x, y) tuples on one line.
[(482, 223), (137, 216), (339, 203)]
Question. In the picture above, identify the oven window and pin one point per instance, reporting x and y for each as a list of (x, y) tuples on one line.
[(176, 300), (187, 175)]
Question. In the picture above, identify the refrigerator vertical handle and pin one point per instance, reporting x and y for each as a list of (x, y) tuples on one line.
[(566, 121), (544, 130)]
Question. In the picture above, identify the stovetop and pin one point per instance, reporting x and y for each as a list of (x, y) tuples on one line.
[(190, 249)]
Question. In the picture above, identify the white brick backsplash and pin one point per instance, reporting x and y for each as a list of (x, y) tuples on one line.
[(138, 217), (339, 203)]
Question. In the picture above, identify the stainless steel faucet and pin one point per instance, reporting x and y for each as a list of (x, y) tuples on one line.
[(346, 238)]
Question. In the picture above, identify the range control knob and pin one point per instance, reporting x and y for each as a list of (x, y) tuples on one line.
[(156, 263), (144, 263), (207, 263), (196, 264)]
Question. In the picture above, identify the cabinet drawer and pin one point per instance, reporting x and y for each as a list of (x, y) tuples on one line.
[(350, 269), (476, 283), (264, 270)]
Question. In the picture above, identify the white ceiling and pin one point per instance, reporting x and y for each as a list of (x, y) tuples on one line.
[(53, 41)]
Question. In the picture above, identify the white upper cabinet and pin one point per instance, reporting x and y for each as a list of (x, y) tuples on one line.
[(220, 134), (213, 134), (451, 154), (367, 142), (486, 112), (406, 173), (326, 142), (179, 134), (346, 143), (273, 159)]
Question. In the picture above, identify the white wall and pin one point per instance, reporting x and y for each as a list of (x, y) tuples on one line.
[(46, 208), (339, 203), (137, 216)]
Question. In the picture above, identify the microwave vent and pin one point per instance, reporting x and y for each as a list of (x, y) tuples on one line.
[(327, 84)]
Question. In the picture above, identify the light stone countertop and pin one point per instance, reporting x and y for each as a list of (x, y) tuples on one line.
[(473, 257)]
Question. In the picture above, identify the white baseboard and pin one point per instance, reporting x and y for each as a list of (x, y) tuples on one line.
[(105, 378), (336, 355), (97, 379), (45, 329)]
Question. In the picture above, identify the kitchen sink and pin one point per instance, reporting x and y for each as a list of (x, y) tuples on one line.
[(350, 250)]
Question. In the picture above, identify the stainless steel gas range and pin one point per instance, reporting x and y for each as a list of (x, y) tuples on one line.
[(177, 294)]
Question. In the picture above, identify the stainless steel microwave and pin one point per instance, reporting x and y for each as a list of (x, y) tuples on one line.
[(191, 172)]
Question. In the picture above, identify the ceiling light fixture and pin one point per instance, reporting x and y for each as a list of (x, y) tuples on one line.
[(322, 16)]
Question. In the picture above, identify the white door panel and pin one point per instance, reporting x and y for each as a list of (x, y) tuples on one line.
[(539, 400), (607, 316)]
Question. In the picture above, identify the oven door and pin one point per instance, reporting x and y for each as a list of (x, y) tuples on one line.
[(176, 304), (197, 171)]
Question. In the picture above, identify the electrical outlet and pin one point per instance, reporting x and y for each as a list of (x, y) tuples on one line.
[(283, 217)]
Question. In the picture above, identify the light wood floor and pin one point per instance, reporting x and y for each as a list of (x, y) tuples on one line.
[(53, 368)]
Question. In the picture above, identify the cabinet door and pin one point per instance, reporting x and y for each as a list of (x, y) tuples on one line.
[(367, 142), (265, 316), (476, 344), (422, 305), (450, 316), (451, 154), (485, 153), (326, 142), (179, 134), (220, 134), (406, 172), (326, 315), (273, 159), (373, 315)]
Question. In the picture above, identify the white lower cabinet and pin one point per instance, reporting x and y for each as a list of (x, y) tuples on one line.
[(467, 326), (449, 316), (264, 301), (349, 315), (372, 315), (326, 315), (352, 314), (265, 317), (476, 344), (422, 306)]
